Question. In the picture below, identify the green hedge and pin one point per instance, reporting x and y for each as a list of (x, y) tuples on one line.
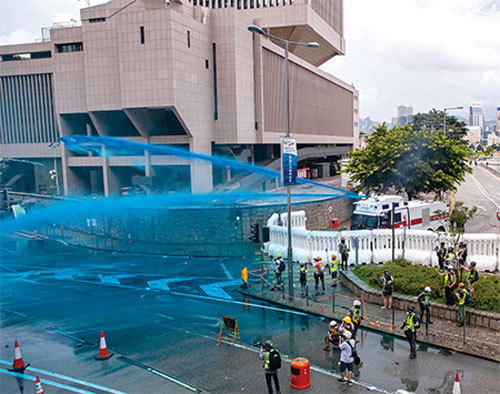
[(411, 279)]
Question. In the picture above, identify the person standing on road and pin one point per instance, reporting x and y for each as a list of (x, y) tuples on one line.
[(344, 253), (441, 253), (449, 283), (356, 316), (424, 302), (332, 338), (461, 295), (410, 326), (272, 362), (303, 279), (319, 273), (472, 277), (387, 287), (279, 267), (462, 258), (346, 359), (334, 268)]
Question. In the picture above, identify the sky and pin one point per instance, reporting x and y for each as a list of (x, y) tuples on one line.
[(424, 53)]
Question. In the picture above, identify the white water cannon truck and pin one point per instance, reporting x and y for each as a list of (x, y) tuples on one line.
[(376, 213)]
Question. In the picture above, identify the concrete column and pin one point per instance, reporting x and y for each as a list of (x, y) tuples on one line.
[(201, 171)]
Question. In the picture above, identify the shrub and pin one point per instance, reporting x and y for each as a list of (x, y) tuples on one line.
[(410, 279)]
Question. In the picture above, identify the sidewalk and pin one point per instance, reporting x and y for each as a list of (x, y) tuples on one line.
[(480, 342)]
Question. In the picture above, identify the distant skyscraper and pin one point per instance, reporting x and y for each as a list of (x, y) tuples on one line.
[(476, 115), (405, 114), (394, 121)]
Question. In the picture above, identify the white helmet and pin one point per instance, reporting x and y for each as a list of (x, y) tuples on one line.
[(347, 335), (333, 324), (427, 289), (356, 303)]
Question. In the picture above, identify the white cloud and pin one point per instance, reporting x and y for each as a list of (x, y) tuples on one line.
[(18, 36), (429, 53)]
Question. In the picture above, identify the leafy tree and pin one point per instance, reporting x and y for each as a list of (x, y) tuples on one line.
[(409, 160), (434, 121)]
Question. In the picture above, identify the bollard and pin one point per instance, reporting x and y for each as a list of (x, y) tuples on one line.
[(300, 377), (333, 303), (392, 317)]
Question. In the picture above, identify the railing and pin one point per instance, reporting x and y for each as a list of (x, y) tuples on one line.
[(375, 246)]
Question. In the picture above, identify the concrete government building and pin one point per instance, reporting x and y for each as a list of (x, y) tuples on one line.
[(186, 73)]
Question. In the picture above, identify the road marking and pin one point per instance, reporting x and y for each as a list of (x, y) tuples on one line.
[(215, 289), (162, 284), (226, 271), (115, 279), (45, 381), (165, 316), (238, 303), (14, 312), (159, 373), (60, 385), (480, 207), (64, 334), (483, 191)]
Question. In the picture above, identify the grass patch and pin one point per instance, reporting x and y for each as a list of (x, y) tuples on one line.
[(410, 280)]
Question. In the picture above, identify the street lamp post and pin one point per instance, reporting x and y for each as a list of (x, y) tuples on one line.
[(286, 43), (444, 116)]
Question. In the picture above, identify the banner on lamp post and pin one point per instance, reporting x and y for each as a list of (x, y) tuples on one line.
[(288, 161)]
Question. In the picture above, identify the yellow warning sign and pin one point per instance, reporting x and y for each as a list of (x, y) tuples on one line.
[(244, 275), (229, 330)]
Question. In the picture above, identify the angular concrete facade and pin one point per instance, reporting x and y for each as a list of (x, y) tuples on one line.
[(183, 72)]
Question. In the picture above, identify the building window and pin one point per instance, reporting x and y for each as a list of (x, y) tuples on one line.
[(26, 56), (69, 47), (96, 20), (189, 39), (207, 64), (141, 29)]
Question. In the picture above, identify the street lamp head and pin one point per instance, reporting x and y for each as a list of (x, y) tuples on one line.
[(313, 45), (255, 29)]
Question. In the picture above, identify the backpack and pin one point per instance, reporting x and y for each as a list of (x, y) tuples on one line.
[(281, 267), (274, 360), (468, 299), (355, 356)]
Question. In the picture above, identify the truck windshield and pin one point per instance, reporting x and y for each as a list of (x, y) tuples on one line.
[(363, 222)]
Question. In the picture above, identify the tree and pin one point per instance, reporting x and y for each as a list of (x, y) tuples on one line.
[(434, 121), (409, 160)]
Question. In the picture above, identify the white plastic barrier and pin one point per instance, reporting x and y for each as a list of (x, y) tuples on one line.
[(298, 219), (418, 246), (364, 239), (484, 250)]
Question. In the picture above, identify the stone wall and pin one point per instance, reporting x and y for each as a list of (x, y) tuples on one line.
[(474, 317), (219, 231)]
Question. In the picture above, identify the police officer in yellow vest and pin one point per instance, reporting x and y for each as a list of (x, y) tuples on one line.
[(356, 317), (334, 267), (450, 279), (410, 327), (461, 295)]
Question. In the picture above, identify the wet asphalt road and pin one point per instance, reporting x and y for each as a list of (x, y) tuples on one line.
[(481, 189), (164, 314)]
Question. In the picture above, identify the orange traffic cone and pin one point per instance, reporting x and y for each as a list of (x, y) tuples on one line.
[(103, 350), (19, 365), (38, 386), (456, 385)]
